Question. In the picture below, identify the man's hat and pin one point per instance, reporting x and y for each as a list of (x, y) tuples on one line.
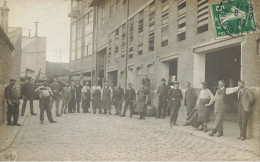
[(163, 79), (204, 83), (12, 80)]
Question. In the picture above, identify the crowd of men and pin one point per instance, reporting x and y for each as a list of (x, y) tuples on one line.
[(169, 101)]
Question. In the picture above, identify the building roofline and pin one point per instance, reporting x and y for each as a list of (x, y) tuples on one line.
[(4, 36)]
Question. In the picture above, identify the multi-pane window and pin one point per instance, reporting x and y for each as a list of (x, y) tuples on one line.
[(202, 16), (165, 23), (123, 40), (181, 20), (116, 43), (131, 37), (79, 38), (151, 26), (140, 32), (88, 34), (73, 41)]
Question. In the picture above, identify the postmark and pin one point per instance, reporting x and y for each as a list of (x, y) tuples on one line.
[(233, 18)]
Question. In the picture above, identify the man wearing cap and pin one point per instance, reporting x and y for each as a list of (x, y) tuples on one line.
[(129, 99), (162, 94), (96, 97), (206, 98), (189, 99), (12, 99), (28, 92), (45, 93), (175, 95)]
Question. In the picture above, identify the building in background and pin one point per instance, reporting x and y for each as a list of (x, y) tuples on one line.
[(167, 39), (33, 57), (82, 60), (56, 69)]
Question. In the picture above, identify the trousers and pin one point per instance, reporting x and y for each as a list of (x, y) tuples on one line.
[(45, 106), (12, 111), (162, 105), (64, 106), (174, 115), (57, 103), (25, 100), (243, 117), (130, 104)]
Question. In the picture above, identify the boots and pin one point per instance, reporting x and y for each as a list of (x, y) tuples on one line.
[(220, 133), (214, 131)]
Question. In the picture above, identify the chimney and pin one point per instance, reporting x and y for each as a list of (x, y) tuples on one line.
[(4, 17), (29, 33), (36, 29)]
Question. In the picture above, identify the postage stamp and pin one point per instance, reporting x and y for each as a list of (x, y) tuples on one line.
[(233, 18)]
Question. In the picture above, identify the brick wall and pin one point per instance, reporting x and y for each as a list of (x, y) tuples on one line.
[(6, 62)]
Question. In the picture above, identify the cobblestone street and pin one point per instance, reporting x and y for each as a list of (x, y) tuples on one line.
[(109, 137)]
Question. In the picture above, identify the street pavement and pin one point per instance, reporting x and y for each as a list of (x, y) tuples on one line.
[(81, 136)]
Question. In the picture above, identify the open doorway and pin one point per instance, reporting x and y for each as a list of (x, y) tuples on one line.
[(112, 77), (173, 70), (223, 65)]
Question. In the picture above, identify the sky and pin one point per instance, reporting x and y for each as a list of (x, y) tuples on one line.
[(53, 19)]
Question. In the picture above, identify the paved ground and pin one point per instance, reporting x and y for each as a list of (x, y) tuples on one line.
[(109, 137)]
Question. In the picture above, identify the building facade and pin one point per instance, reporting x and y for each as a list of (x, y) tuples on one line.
[(173, 40), (82, 60)]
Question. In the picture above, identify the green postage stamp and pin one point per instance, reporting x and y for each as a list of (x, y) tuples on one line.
[(233, 18)]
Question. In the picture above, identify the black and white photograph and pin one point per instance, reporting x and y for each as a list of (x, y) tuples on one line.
[(129, 80)]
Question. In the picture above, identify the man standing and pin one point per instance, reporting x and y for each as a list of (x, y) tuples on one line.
[(72, 102), (106, 98), (219, 109), (129, 99), (56, 90), (45, 93), (118, 96), (162, 94), (189, 99), (175, 95), (86, 93), (12, 99), (96, 98), (28, 92), (141, 102), (78, 95), (246, 101), (66, 96)]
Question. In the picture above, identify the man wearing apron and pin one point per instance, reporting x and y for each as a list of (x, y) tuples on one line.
[(96, 98), (219, 109), (106, 98)]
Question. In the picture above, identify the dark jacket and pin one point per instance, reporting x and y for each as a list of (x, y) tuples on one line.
[(118, 94), (130, 94), (11, 94), (175, 97), (162, 92), (190, 97), (246, 99), (78, 92), (27, 90), (56, 88)]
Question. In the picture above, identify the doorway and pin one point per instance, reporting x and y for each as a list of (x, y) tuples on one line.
[(112, 77), (173, 70), (223, 65)]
